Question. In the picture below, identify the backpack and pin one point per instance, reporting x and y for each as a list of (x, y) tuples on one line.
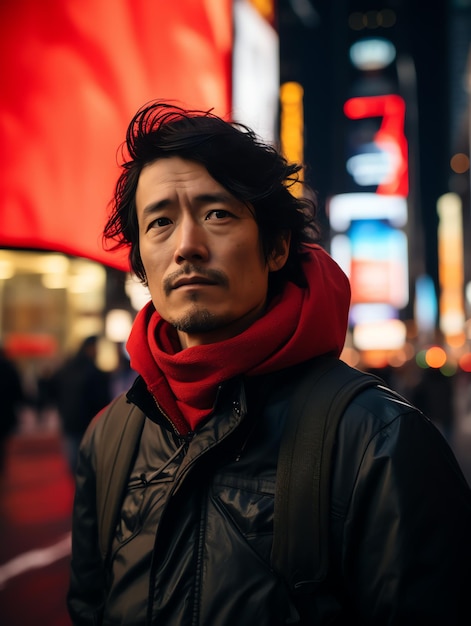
[(302, 493)]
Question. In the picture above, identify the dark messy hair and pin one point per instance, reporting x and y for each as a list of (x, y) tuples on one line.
[(253, 172)]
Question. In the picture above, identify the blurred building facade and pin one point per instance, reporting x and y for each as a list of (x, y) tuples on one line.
[(50, 300), (386, 90)]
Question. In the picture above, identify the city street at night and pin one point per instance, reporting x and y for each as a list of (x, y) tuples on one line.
[(205, 206)]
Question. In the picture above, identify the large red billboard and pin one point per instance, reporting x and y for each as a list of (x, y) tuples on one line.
[(73, 73)]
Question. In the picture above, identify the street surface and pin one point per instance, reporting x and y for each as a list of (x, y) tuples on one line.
[(36, 494)]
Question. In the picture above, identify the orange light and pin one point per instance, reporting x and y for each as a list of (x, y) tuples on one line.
[(292, 128), (266, 8), (459, 163), (456, 341), (350, 356), (435, 357)]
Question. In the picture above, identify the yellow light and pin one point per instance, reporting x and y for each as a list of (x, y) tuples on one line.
[(118, 325), (292, 126), (55, 281), (6, 269), (380, 335)]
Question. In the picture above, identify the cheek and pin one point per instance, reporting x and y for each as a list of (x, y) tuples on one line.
[(250, 273), (249, 259), (247, 249), (153, 256), (154, 272), (257, 283)]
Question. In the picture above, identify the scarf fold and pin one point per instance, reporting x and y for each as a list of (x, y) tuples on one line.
[(298, 325)]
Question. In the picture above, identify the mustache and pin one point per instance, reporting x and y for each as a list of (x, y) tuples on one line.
[(215, 276)]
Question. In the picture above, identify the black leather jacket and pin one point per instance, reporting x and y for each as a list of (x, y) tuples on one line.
[(193, 543)]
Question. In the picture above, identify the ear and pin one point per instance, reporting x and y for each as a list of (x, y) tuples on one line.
[(280, 254)]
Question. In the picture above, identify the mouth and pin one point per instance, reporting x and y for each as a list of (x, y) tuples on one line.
[(193, 277), (191, 281)]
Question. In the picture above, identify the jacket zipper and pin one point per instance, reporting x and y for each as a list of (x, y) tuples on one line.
[(236, 408), (183, 438)]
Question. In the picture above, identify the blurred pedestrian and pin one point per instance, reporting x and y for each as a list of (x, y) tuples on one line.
[(11, 398), (433, 395), (123, 376), (45, 403), (80, 389)]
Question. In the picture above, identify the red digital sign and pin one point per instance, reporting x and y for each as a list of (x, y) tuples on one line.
[(73, 74), (389, 139)]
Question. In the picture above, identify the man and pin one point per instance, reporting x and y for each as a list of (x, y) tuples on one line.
[(79, 390), (242, 300), (12, 398)]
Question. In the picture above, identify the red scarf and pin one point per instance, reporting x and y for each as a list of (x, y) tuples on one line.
[(297, 325)]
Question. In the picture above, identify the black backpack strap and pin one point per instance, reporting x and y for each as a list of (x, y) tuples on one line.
[(302, 495), (120, 431)]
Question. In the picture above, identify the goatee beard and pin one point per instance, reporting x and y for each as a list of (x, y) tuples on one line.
[(196, 321)]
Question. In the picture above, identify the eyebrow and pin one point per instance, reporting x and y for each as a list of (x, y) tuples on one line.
[(201, 198)]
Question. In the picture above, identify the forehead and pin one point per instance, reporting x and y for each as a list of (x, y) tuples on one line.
[(174, 172)]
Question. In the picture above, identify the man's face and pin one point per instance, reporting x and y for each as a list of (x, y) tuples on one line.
[(201, 252)]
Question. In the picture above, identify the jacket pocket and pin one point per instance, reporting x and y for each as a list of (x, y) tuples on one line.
[(249, 504)]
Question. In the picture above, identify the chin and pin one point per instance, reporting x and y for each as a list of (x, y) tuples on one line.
[(197, 321)]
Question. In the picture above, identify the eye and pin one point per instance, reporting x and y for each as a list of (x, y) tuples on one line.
[(159, 223), (218, 214)]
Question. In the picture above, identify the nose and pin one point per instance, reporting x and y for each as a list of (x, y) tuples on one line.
[(191, 242)]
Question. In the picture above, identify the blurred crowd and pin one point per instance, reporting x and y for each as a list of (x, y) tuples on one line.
[(443, 398), (67, 397)]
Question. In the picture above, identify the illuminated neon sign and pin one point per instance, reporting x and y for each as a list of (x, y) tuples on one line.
[(389, 140)]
